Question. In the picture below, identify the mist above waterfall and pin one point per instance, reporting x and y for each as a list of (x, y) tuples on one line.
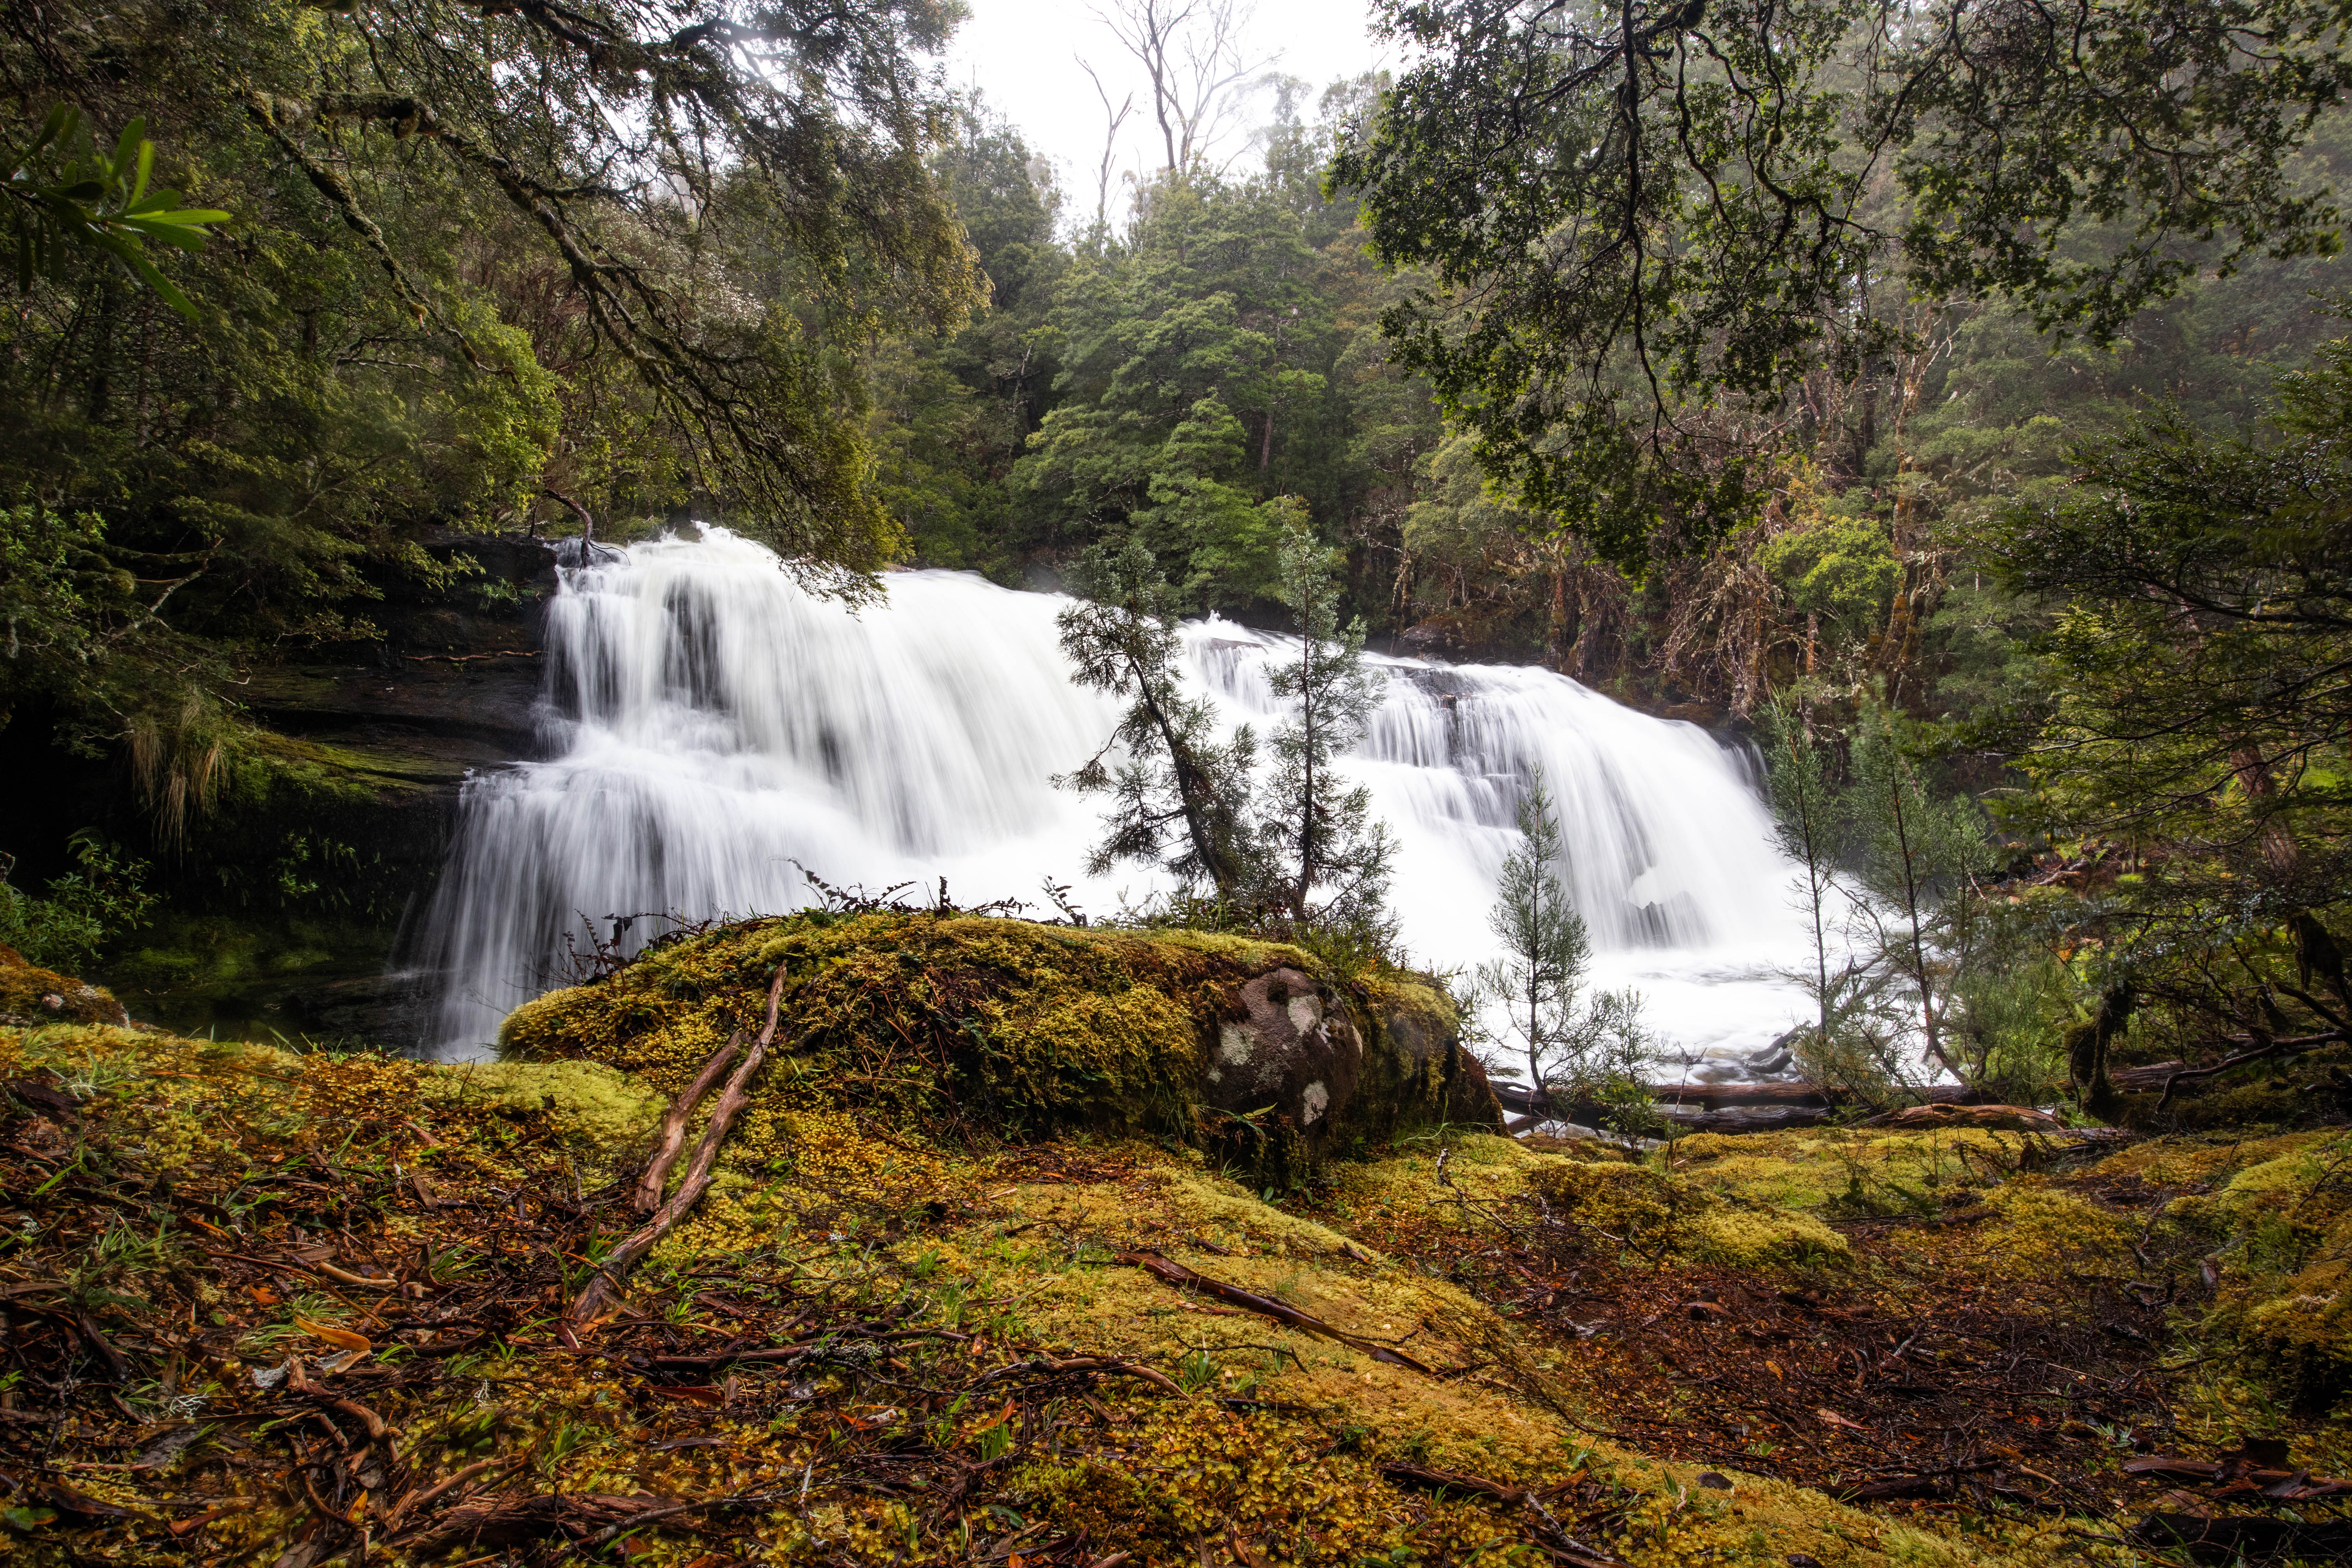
[(710, 728)]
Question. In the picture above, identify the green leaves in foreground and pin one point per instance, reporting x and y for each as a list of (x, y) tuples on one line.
[(61, 201)]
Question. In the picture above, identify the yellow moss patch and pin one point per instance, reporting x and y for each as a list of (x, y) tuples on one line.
[(1014, 1247), (1650, 1211), (2292, 1170), (1872, 1171), (2038, 1231), (1762, 1239), (596, 1106), (1204, 1473), (2204, 1157)]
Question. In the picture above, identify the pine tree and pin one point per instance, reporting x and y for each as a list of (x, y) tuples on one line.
[(1918, 855), (1318, 829), (1805, 821), (1179, 796), (1576, 1050)]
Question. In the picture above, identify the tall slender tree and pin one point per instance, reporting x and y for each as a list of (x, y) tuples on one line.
[(1319, 826), (1805, 822), (1918, 852), (1576, 1050)]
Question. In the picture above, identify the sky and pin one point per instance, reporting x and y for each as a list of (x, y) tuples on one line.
[(1024, 55)]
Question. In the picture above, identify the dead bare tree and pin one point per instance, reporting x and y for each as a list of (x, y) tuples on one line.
[(1191, 52), (1115, 118)]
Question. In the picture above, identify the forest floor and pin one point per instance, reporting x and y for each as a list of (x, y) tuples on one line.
[(290, 1310)]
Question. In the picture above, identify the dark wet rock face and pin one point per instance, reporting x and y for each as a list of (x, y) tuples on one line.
[(1431, 1074), (373, 743)]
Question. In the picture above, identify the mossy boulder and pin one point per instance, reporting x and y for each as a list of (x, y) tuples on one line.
[(31, 994), (998, 1029)]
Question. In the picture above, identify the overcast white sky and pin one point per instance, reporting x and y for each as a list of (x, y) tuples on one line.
[(1024, 55)]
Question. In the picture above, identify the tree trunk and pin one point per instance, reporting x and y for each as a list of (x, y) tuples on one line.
[(2086, 1051)]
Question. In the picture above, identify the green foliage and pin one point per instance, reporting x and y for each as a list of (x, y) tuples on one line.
[(85, 913), (1212, 381), (63, 190), (438, 307), (53, 577), (2198, 672), (1317, 831), (1842, 568), (1644, 226), (1179, 798), (2187, 716), (1578, 1049), (2006, 1011), (951, 415)]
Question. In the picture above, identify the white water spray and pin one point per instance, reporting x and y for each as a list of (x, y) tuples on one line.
[(712, 724)]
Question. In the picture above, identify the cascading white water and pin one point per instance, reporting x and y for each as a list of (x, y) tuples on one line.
[(713, 729)]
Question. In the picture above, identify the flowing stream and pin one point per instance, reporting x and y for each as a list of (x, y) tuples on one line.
[(711, 729)]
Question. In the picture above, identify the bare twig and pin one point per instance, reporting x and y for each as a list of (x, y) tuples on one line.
[(673, 1125), (622, 1259)]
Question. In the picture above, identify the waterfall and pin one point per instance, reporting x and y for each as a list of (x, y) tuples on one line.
[(710, 728)]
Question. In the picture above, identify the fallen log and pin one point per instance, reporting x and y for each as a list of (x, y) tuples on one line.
[(1745, 1107), (1740, 1119)]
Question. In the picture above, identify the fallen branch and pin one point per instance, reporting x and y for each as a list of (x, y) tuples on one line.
[(797, 1352), (2274, 1485), (617, 1263), (1266, 1306), (1561, 1547), (426, 1499), (509, 1522), (611, 1532), (672, 1140), (2270, 1049), (1427, 1478)]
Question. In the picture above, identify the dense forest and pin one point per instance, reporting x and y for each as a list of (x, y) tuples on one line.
[(866, 325), (1946, 406), (851, 314)]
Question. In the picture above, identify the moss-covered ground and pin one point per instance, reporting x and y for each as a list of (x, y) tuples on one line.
[(286, 1309)]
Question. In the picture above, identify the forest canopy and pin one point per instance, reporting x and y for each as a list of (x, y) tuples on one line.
[(1645, 228), (484, 261)]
